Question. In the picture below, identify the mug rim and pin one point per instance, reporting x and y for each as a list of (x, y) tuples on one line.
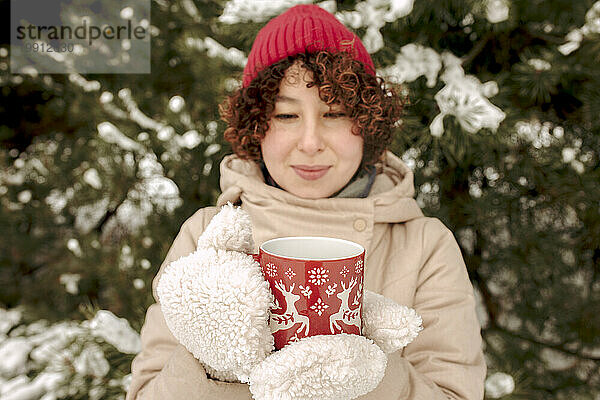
[(359, 253)]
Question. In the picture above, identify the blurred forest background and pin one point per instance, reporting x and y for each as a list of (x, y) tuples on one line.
[(502, 131)]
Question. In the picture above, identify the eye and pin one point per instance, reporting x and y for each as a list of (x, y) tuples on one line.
[(335, 114), (285, 116)]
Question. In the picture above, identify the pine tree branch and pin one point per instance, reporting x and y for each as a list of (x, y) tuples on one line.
[(596, 267), (493, 308), (26, 269), (112, 211), (488, 299), (474, 263), (556, 346), (48, 260), (109, 213), (547, 38), (478, 48)]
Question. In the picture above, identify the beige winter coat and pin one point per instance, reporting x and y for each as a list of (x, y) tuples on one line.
[(410, 258)]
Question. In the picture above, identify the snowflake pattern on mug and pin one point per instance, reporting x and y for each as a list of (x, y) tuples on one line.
[(319, 307), (271, 269), (344, 271), (290, 273), (318, 276), (306, 291), (358, 267)]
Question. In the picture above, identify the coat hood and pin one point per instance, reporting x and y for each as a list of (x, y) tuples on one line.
[(390, 198)]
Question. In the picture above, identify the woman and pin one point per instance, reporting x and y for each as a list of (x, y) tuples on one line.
[(309, 128)]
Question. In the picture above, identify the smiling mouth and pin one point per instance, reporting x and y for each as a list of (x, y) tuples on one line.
[(311, 173)]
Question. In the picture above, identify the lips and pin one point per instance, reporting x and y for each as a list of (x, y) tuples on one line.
[(311, 172)]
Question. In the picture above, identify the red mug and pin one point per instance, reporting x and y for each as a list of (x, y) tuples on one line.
[(317, 285)]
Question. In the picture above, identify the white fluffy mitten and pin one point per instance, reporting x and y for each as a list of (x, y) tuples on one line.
[(216, 301), (390, 325), (324, 367)]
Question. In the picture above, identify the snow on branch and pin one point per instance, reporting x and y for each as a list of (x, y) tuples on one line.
[(575, 37), (466, 98), (374, 14), (241, 11), (215, 49)]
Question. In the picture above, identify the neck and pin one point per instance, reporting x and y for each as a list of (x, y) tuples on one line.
[(358, 187)]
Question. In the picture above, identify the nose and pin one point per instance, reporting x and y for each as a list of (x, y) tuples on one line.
[(311, 139)]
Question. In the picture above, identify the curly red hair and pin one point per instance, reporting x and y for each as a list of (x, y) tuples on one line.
[(374, 108)]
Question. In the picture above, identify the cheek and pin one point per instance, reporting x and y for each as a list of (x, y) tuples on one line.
[(273, 147), (352, 149)]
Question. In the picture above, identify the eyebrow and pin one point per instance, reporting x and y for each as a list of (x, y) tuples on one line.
[(286, 99)]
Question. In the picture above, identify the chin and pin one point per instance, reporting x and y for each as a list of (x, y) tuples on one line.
[(311, 194)]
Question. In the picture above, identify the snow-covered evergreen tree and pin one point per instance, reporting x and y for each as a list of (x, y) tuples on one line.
[(501, 128)]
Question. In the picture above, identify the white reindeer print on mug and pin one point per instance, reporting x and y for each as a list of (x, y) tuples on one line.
[(290, 316), (345, 314)]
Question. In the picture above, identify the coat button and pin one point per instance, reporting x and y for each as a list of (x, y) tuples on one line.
[(360, 224)]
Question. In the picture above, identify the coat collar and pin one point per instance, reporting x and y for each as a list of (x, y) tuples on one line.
[(390, 198)]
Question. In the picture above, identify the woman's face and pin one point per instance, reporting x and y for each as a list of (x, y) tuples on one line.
[(309, 148)]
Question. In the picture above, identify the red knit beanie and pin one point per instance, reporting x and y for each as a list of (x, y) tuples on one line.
[(303, 28)]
